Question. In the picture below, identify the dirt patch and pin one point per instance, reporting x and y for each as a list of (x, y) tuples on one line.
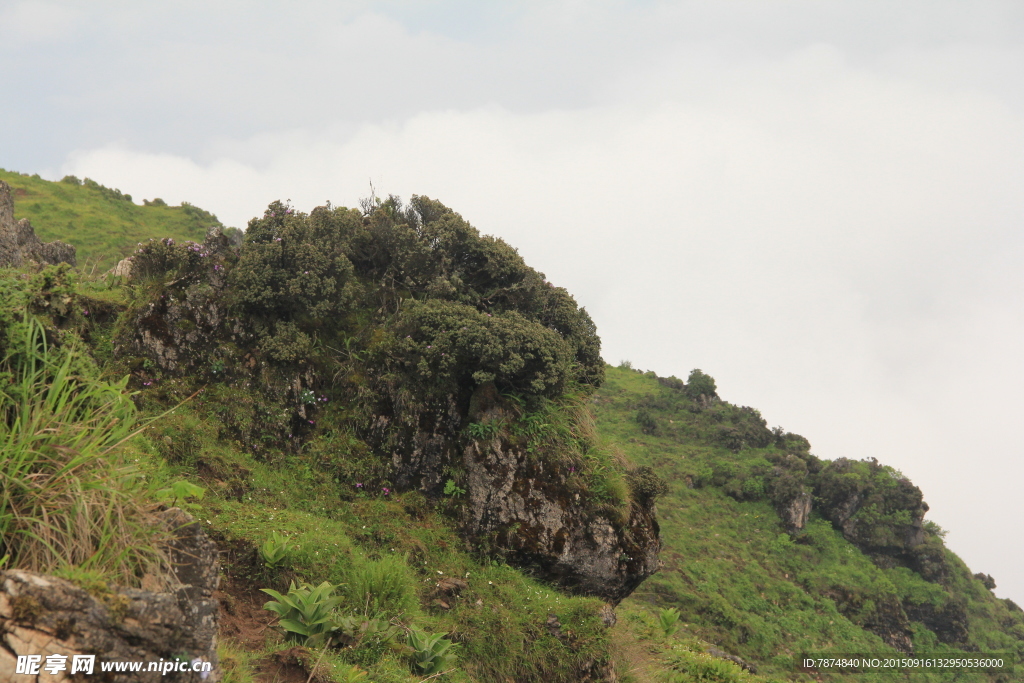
[(248, 626), (286, 666), (242, 617)]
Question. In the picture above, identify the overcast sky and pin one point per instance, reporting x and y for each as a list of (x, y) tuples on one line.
[(818, 203)]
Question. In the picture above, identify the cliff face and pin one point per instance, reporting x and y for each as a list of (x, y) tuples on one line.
[(533, 511), (18, 241), (529, 509)]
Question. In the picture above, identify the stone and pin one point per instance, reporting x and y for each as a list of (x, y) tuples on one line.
[(526, 507), (721, 654), (18, 241), (796, 512), (44, 615), (123, 268)]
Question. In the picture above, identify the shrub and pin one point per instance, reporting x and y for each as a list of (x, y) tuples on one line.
[(169, 259), (699, 384), (293, 266), (645, 484), (442, 346), (645, 418)]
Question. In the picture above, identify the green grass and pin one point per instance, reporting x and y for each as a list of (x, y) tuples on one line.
[(102, 224), (68, 499), (738, 578)]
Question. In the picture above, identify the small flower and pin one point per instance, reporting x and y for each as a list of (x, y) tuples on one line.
[(386, 490), (359, 485)]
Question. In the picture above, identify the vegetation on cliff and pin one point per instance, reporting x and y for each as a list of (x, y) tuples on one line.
[(408, 437)]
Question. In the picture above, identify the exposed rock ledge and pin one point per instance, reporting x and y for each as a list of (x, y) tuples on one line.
[(44, 615), (527, 507), (18, 241)]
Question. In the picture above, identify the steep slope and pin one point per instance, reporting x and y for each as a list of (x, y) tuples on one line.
[(749, 568)]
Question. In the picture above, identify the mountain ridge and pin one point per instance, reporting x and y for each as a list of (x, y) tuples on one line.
[(392, 384)]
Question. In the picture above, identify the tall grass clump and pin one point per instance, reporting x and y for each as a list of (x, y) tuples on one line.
[(66, 498), (380, 587)]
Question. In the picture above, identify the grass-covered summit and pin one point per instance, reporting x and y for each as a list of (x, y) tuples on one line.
[(408, 448)]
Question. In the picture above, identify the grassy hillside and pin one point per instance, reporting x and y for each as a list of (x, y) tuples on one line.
[(103, 224), (267, 443), (740, 580)]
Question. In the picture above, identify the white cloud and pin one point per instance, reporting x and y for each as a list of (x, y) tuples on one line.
[(29, 22)]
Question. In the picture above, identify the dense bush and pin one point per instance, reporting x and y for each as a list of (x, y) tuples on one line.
[(874, 505), (451, 309), (645, 418), (645, 484), (699, 384), (443, 345), (169, 259), (294, 266)]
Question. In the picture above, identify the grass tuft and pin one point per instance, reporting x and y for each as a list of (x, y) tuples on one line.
[(66, 498)]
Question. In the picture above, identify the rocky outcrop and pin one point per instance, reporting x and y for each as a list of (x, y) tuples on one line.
[(44, 615), (738, 661), (796, 512), (18, 241), (532, 510), (528, 508), (885, 617), (179, 330), (876, 510)]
